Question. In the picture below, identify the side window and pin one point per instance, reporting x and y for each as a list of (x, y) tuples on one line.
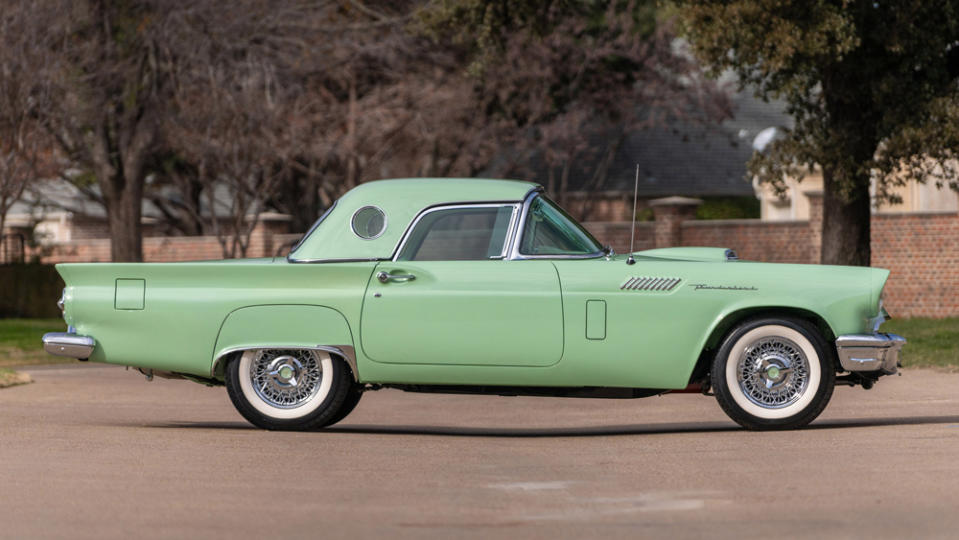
[(469, 233), (550, 231)]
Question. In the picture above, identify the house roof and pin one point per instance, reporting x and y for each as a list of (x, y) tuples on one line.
[(689, 158), (48, 197)]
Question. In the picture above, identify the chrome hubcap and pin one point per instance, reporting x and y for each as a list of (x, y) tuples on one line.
[(773, 372), (286, 379)]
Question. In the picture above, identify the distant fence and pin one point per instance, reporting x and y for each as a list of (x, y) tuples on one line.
[(12, 248), (921, 250)]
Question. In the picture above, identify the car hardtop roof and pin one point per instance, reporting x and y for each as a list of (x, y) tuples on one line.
[(424, 192), (400, 200)]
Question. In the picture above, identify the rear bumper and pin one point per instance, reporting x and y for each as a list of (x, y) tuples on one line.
[(68, 344), (870, 352)]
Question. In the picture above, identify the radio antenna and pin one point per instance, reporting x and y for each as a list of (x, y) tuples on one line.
[(632, 230)]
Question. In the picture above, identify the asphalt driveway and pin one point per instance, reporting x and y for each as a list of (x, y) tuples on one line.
[(97, 452)]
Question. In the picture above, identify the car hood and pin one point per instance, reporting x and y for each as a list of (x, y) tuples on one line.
[(705, 254)]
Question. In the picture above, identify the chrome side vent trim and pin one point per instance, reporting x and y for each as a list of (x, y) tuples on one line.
[(644, 283)]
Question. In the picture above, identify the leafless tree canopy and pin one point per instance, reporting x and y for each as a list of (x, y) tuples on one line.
[(217, 112), (21, 100)]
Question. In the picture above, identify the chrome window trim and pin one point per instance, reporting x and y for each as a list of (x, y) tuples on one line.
[(454, 206), (515, 254), (386, 222), (324, 261), (329, 210), (396, 249)]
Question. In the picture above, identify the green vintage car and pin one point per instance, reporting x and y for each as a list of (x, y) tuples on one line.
[(482, 286)]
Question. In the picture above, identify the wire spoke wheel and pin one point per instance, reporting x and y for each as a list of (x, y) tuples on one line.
[(295, 388), (286, 379), (773, 372)]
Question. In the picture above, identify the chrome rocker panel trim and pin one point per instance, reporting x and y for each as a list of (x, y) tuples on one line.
[(68, 344), (870, 352)]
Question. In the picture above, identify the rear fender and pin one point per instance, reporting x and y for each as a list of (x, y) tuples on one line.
[(286, 327)]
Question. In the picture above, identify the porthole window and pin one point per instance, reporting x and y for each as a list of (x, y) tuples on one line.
[(368, 222)]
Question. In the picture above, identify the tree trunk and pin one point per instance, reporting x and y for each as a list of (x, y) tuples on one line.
[(123, 216), (119, 171), (845, 222)]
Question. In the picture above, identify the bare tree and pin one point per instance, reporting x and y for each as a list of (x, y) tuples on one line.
[(287, 104), (103, 66), (21, 99), (299, 105), (234, 137), (566, 96)]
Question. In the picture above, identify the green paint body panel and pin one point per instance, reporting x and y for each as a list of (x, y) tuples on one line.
[(282, 326), (544, 322), (194, 310), (482, 313)]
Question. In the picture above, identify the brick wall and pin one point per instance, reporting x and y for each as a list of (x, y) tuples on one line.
[(616, 234), (266, 239), (754, 240), (921, 250)]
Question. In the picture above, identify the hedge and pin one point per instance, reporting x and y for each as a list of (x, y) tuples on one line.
[(29, 290)]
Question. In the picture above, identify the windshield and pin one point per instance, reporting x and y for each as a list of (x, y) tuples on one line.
[(550, 231)]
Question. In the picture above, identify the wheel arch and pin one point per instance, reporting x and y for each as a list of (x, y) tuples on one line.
[(735, 318), (284, 326), (344, 353)]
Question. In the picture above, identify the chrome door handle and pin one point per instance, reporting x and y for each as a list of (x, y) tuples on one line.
[(385, 277)]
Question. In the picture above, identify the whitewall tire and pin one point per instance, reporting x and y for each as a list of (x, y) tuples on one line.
[(293, 389), (773, 373)]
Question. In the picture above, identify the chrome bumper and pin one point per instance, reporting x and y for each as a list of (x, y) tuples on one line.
[(870, 352), (68, 344)]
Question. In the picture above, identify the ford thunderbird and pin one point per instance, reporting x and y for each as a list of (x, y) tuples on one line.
[(489, 287)]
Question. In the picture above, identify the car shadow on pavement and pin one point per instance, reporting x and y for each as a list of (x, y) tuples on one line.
[(637, 429), (577, 431)]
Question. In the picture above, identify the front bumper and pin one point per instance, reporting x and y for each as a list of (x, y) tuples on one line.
[(68, 344), (870, 352)]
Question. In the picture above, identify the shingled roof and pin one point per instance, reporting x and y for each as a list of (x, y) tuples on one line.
[(687, 158)]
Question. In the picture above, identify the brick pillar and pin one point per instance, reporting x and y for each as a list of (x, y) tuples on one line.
[(815, 226), (670, 213)]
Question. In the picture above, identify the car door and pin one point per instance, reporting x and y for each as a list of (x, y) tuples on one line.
[(450, 296)]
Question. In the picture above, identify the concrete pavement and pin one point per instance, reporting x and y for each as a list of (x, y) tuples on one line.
[(97, 452)]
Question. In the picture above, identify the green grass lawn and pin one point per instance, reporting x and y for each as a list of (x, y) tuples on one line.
[(20, 341), (932, 342)]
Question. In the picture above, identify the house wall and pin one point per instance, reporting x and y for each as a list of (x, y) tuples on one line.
[(915, 197)]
